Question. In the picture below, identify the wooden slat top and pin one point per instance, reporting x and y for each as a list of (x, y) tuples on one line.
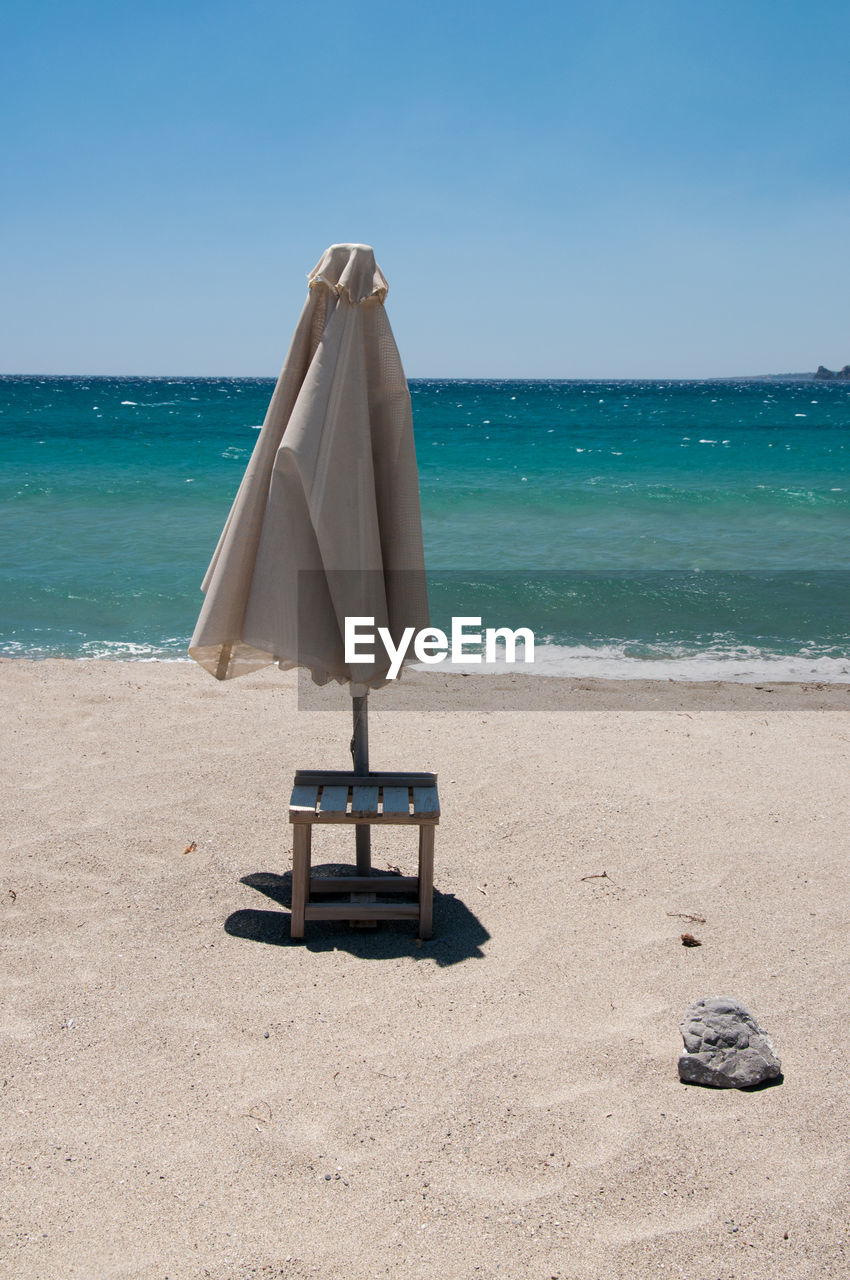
[(304, 798), (395, 799), (333, 800), (364, 800), (336, 796)]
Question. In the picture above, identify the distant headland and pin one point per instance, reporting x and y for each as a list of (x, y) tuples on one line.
[(822, 374)]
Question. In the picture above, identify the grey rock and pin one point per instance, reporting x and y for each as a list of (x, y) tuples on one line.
[(725, 1046)]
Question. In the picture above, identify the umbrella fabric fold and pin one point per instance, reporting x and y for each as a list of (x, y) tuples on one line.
[(326, 523)]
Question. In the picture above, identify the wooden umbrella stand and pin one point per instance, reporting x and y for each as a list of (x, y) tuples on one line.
[(364, 799)]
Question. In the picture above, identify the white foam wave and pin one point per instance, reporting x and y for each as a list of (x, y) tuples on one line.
[(170, 650), (611, 662)]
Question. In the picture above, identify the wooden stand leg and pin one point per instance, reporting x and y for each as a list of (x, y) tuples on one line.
[(426, 880), (301, 839)]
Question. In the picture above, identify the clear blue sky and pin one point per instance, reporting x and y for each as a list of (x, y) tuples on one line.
[(577, 189)]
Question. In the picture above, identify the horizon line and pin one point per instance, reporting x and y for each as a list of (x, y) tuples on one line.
[(266, 377)]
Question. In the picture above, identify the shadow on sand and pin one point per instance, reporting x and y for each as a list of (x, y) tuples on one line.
[(458, 934), (773, 1083)]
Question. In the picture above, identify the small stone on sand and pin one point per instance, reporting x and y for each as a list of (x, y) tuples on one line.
[(724, 1046)]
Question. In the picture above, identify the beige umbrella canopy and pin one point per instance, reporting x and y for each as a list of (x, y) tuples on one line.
[(326, 524)]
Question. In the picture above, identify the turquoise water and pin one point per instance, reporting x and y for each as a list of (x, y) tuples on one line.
[(697, 526)]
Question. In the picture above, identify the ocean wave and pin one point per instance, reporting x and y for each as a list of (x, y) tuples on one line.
[(127, 650), (744, 665)]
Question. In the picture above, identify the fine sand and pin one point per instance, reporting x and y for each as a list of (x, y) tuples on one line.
[(187, 1093)]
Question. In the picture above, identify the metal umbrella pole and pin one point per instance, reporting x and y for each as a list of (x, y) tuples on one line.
[(360, 758)]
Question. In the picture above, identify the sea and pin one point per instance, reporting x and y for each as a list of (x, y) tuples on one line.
[(687, 530)]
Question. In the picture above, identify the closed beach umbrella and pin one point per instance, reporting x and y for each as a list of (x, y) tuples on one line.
[(326, 524)]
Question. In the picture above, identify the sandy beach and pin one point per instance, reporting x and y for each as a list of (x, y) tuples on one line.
[(187, 1093)]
